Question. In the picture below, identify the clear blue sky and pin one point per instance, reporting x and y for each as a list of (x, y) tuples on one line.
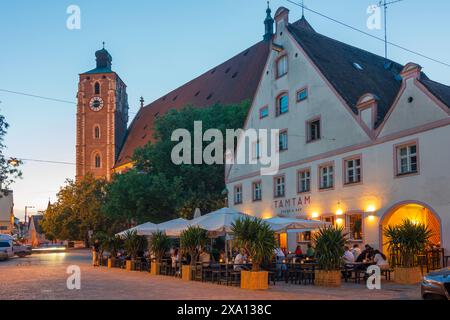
[(157, 46)]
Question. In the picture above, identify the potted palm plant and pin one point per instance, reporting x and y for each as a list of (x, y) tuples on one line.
[(405, 242), (159, 244), (192, 241), (329, 248), (133, 245), (258, 239), (112, 244)]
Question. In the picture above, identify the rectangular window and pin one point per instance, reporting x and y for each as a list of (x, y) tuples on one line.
[(304, 181), (282, 104), (313, 130), (304, 237), (283, 140), (264, 112), (326, 177), (257, 191), (352, 170), (282, 66), (279, 187), (238, 194), (355, 226), (330, 219), (302, 95), (256, 150), (407, 159)]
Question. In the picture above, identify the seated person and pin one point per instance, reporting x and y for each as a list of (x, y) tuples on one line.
[(348, 256), (298, 252), (366, 255), (356, 251), (310, 252), (380, 260), (205, 258), (240, 260)]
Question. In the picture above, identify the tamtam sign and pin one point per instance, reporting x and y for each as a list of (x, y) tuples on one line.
[(291, 206)]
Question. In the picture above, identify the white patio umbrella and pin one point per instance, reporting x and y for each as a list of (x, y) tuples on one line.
[(168, 225), (137, 229), (280, 224)]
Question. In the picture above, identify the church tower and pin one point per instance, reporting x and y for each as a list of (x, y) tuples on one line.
[(102, 117)]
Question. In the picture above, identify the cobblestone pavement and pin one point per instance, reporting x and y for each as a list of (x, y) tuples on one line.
[(44, 277)]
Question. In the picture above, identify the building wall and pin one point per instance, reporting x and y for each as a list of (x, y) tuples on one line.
[(6, 213), (422, 121)]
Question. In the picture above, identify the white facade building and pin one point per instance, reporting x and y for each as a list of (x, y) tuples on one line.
[(364, 142)]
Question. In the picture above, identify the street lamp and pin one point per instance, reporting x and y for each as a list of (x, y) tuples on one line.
[(27, 207)]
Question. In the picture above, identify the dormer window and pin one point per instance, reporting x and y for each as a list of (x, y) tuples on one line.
[(97, 88), (282, 66)]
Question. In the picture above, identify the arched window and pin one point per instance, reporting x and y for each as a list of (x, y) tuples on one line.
[(98, 161), (97, 88), (97, 132)]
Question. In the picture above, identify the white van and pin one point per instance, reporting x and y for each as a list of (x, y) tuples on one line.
[(6, 247)]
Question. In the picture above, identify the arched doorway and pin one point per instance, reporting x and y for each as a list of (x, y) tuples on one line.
[(417, 212)]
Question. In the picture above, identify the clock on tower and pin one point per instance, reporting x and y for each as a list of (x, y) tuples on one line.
[(102, 117)]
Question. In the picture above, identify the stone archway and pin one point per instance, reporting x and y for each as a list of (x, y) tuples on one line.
[(415, 211)]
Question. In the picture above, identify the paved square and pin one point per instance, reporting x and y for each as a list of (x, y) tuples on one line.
[(44, 277)]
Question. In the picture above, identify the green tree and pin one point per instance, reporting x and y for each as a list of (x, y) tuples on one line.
[(198, 186), (77, 210), (9, 168)]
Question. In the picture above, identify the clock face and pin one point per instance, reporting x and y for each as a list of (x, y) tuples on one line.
[(96, 104)]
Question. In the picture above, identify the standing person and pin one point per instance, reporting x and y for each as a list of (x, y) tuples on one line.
[(95, 252), (356, 251), (280, 256)]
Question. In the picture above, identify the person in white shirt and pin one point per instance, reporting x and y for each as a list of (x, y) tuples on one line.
[(380, 260), (280, 265), (240, 260), (348, 256), (356, 251)]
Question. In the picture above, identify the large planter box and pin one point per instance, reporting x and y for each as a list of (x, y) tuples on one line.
[(129, 265), (255, 280), (155, 268), (407, 275), (327, 278), (111, 263), (186, 273)]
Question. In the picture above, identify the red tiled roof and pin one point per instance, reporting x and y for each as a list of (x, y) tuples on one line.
[(231, 82)]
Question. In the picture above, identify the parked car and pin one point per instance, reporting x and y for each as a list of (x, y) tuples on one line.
[(6, 248), (436, 285), (21, 250)]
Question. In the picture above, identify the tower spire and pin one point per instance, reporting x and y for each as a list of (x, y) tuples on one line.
[(268, 23)]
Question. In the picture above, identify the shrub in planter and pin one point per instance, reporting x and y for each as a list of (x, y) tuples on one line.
[(408, 240), (258, 239), (329, 248), (192, 241), (133, 244), (112, 244), (159, 245)]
